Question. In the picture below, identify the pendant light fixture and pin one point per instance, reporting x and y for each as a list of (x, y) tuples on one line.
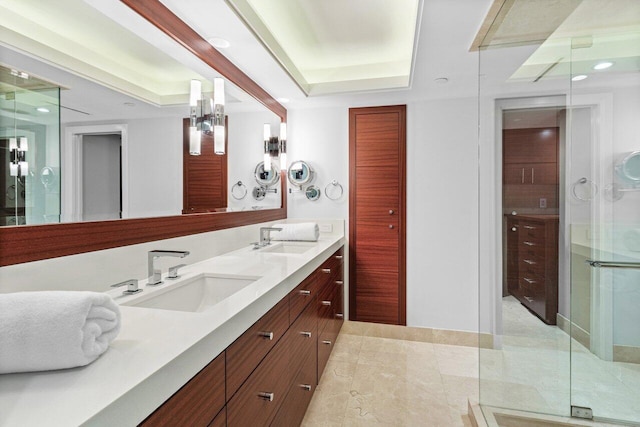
[(218, 116), (283, 146), (210, 122), (267, 138), (195, 134)]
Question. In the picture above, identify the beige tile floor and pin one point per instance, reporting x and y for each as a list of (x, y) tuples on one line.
[(372, 381)]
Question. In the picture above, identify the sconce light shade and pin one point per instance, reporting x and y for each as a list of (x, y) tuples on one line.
[(218, 91), (195, 94), (13, 169), (24, 146), (218, 116), (283, 146), (194, 141), (218, 140), (24, 168), (13, 144)]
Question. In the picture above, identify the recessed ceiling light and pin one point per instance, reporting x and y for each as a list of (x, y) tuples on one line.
[(602, 65), (441, 80), (42, 109), (578, 77), (129, 104), (219, 43), (282, 100)]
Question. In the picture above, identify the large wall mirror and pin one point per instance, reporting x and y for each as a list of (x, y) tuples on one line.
[(92, 123)]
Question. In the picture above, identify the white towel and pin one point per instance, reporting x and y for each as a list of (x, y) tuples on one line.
[(304, 231), (40, 331)]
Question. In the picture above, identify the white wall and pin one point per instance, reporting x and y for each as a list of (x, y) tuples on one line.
[(442, 225)]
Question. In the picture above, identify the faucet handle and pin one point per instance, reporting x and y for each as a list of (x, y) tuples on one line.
[(131, 284), (173, 271)]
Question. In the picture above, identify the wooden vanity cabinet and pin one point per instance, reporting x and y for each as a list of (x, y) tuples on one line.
[(272, 370), (532, 263), (197, 403), (530, 156)]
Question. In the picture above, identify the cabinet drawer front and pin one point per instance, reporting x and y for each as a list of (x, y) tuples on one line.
[(326, 341), (331, 266), (249, 349), (197, 402), (302, 337), (295, 405), (532, 286), (531, 231), (325, 305), (301, 296), (260, 397), (220, 419), (531, 267)]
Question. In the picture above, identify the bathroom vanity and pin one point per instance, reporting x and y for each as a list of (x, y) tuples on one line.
[(252, 358)]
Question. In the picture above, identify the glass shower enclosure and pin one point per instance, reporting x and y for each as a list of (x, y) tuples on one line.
[(29, 149), (560, 283)]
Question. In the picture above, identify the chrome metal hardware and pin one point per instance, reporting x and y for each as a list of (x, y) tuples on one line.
[(339, 282), (327, 303), (528, 261), (390, 226), (529, 243), (533, 176), (265, 235), (268, 335), (327, 342), (612, 264), (173, 271), (155, 274), (339, 315), (514, 228), (530, 281), (523, 175), (131, 284), (306, 334), (529, 299), (339, 256), (266, 396), (529, 227), (326, 270), (391, 212), (306, 387), (305, 292)]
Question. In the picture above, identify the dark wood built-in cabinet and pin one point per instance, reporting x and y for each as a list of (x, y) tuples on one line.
[(532, 263), (269, 374)]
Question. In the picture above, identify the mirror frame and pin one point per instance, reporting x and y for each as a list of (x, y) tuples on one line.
[(24, 243)]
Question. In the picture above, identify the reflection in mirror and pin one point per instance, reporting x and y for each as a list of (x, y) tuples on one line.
[(300, 173), (110, 144)]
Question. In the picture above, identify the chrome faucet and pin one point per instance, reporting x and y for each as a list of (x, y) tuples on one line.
[(155, 275), (265, 236)]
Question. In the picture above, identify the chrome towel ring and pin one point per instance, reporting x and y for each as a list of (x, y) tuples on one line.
[(334, 190), (593, 189), (239, 190)]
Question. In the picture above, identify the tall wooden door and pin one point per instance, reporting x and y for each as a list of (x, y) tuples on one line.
[(377, 140)]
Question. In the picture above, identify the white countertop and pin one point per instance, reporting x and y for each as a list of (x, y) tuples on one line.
[(157, 351)]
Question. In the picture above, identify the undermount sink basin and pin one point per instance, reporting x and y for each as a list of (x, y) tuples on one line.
[(196, 294), (288, 248)]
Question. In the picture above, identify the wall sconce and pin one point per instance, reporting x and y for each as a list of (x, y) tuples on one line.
[(201, 120), (18, 165), (275, 147)]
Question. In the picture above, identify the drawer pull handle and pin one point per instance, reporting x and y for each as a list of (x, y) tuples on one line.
[(306, 387), (268, 335), (529, 243), (530, 281), (529, 299), (266, 396), (326, 270), (305, 292), (327, 342), (338, 256), (339, 282), (528, 261), (306, 334), (529, 227), (327, 303), (339, 315)]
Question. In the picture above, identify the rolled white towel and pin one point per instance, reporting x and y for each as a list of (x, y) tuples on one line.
[(304, 231), (41, 331)]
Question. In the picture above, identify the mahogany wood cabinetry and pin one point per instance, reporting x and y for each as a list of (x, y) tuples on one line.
[(269, 374), (532, 263)]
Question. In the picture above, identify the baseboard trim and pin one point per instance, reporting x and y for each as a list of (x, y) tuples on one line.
[(573, 330)]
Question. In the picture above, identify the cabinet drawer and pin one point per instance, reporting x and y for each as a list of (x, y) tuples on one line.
[(302, 337), (301, 296), (197, 402), (331, 266), (532, 266), (326, 341), (531, 231), (258, 400), (220, 420), (325, 305), (248, 350), (295, 405)]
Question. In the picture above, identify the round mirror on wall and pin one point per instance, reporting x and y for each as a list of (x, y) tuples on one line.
[(629, 167), (266, 178), (300, 173)]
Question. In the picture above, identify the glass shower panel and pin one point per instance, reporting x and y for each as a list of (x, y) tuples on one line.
[(523, 122), (30, 143), (605, 214)]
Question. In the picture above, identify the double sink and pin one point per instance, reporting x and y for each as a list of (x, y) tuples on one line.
[(201, 292)]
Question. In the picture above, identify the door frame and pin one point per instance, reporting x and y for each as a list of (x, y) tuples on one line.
[(71, 179), (402, 239)]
